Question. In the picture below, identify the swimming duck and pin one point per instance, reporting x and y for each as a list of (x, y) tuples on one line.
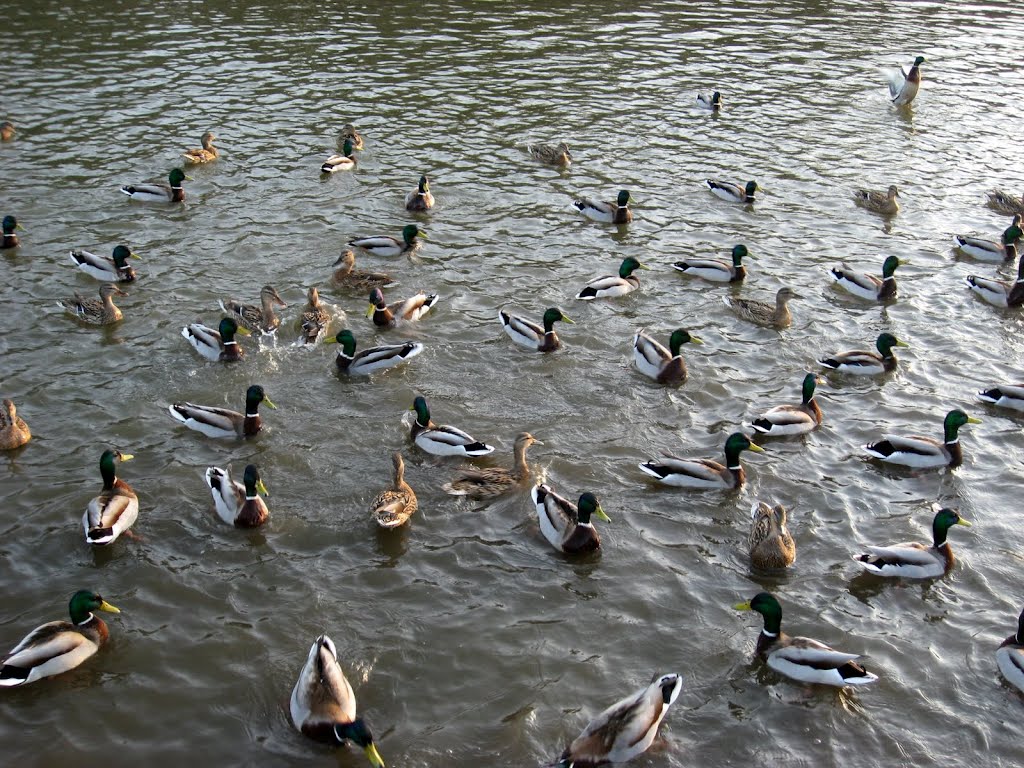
[(1003, 395), (14, 432), (349, 133), (715, 270), (1004, 202), (7, 130), (404, 311), (323, 706), (911, 560), (10, 236), (792, 419), (213, 421), (665, 366), (347, 276), (395, 505), (314, 318), (770, 544), (801, 658), (551, 154), (112, 270), (868, 286), (205, 154), (862, 362), (625, 729), (216, 346), (733, 193), (879, 202), (712, 102), (609, 213), (528, 334), (610, 286), (172, 192), (237, 504), (990, 250), (565, 525), (383, 245), (116, 508), (442, 439), (763, 313), (493, 481), (261, 319), (1000, 293), (344, 162), (704, 473), (421, 198), (100, 311), (903, 86), (58, 646), (1010, 656), (916, 451), (372, 359)]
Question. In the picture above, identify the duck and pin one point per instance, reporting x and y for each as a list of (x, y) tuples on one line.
[(112, 270), (373, 359), (347, 276), (704, 474), (383, 245), (1000, 293), (14, 432), (100, 311), (903, 86), (393, 506), (625, 729), (990, 250), (912, 560), (7, 130), (237, 504), (323, 706), (9, 226), (171, 192), (115, 510), (404, 311), (314, 319), (205, 154), (489, 482), (712, 102), (216, 346), (346, 161), (925, 452), (665, 366), (420, 199), (785, 420), (565, 525), (213, 421), (261, 319), (442, 439), (58, 646), (770, 544), (1004, 396), (715, 270), (349, 133), (762, 313), (606, 212), (867, 286), (1005, 202), (733, 193), (1010, 656), (551, 154), (528, 334), (878, 202), (862, 362), (801, 658), (610, 286)]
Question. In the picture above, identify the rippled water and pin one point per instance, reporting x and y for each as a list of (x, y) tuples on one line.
[(466, 637)]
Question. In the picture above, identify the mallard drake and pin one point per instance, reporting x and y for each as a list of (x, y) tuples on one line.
[(205, 154), (172, 192), (58, 646), (261, 319), (862, 362), (990, 250), (112, 270), (624, 730), (404, 311), (216, 346), (347, 276), (530, 335), (715, 270), (442, 439), (213, 421), (733, 193), (349, 133), (10, 236), (372, 359), (7, 130), (1000, 293), (920, 452), (912, 560), (116, 508), (879, 202), (314, 319), (665, 366), (792, 419), (1010, 656), (868, 286), (237, 504), (344, 162), (323, 706), (610, 286), (395, 505), (551, 154), (383, 245), (770, 544), (704, 473), (565, 525), (1004, 202), (14, 432), (903, 86), (801, 658), (761, 312), (712, 102), (100, 311), (1003, 395), (493, 481), (607, 212), (420, 199)]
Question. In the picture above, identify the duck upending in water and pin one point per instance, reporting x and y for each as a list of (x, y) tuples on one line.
[(394, 505), (912, 560), (1004, 202), (903, 86), (100, 311), (1000, 293), (9, 239), (403, 311), (925, 452), (205, 154), (770, 544), (347, 276), (606, 212), (109, 270), (704, 473), (715, 270), (868, 286), (565, 525), (261, 319), (528, 334), (792, 419), (115, 510), (712, 103), (878, 202), (172, 192), (216, 346), (1004, 396), (420, 199), (610, 286), (7, 130), (213, 421), (489, 482), (372, 359), (862, 362), (665, 366), (733, 193), (990, 250), (343, 162), (551, 154), (762, 313), (237, 504), (14, 432), (442, 439), (384, 245), (1010, 656)]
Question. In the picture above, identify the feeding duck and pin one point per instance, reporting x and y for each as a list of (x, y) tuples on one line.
[(58, 646), (1000, 293), (261, 319), (903, 86), (712, 102), (14, 432), (323, 706), (493, 481), (990, 250), (395, 505), (172, 192), (403, 311), (384, 245), (528, 334), (115, 510), (610, 286), (704, 473), (372, 359), (1004, 396), (733, 193), (1004, 202), (112, 270), (868, 286), (565, 525), (912, 560), (792, 419), (343, 162), (770, 544), (762, 313), (347, 276), (10, 236), (802, 658), (442, 439), (551, 154), (349, 133), (665, 366), (314, 319), (205, 154), (100, 311), (7, 130), (625, 729), (237, 504), (421, 198), (919, 452), (607, 212), (1010, 656), (715, 270), (214, 421), (216, 346), (862, 362), (878, 202)]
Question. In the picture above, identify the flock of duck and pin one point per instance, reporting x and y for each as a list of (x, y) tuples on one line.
[(322, 703)]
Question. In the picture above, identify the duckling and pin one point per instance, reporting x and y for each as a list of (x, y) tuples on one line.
[(442, 439), (112, 270), (421, 198), (216, 346), (903, 86), (7, 130), (349, 133), (712, 102), (862, 362), (347, 276), (925, 452), (116, 508), (792, 419), (214, 421), (14, 432), (1000, 293), (528, 334), (1004, 396), (733, 193), (261, 319), (868, 286), (395, 505), (1004, 202), (990, 250), (384, 245), (404, 311), (912, 560), (10, 236), (715, 270), (551, 154), (206, 154), (610, 286), (762, 313), (878, 202), (565, 525), (493, 481), (237, 504), (372, 359), (770, 544), (100, 311), (704, 473), (1009, 656), (344, 162), (609, 213), (314, 319), (172, 192), (665, 366)]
